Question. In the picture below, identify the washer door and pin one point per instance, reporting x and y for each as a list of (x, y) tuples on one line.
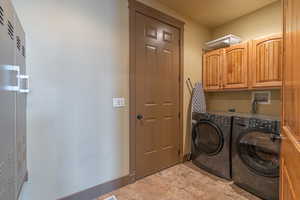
[(207, 138), (259, 152)]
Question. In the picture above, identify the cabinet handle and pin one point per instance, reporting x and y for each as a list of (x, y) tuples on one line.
[(24, 84), (9, 80)]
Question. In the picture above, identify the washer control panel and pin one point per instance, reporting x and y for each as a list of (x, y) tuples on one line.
[(215, 118), (221, 120), (258, 124)]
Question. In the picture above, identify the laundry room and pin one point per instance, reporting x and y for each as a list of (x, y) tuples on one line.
[(149, 100), (242, 79)]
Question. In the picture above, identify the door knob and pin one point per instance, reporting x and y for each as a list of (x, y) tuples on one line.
[(140, 117)]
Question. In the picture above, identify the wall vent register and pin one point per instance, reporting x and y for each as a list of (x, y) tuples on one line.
[(1, 16), (23, 51), (18, 43), (10, 30)]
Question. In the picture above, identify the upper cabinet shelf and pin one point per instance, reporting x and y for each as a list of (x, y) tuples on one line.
[(256, 64)]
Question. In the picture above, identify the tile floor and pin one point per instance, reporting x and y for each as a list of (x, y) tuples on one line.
[(181, 182)]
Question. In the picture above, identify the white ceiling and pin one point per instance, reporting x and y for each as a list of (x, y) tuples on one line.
[(213, 13)]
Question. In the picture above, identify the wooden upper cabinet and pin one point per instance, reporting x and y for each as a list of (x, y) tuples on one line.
[(212, 70), (235, 68), (266, 61), (251, 65)]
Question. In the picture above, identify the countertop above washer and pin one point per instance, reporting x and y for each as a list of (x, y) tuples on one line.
[(249, 115)]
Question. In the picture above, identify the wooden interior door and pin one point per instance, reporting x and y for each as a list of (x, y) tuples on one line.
[(235, 72), (266, 61), (157, 95), (290, 149), (212, 65)]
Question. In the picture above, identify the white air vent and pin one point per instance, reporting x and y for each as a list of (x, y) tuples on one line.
[(111, 198), (261, 97), (222, 42)]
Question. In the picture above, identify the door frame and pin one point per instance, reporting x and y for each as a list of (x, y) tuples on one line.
[(137, 7)]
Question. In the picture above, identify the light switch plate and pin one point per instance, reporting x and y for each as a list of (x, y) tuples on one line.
[(118, 102)]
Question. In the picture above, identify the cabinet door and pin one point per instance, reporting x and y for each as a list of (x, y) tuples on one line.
[(212, 70), (266, 61), (289, 173), (291, 72), (290, 156), (236, 67), (8, 78)]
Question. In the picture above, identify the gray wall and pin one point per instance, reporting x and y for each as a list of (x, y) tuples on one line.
[(77, 58)]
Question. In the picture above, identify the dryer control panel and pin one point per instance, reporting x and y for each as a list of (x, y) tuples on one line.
[(258, 124), (267, 125)]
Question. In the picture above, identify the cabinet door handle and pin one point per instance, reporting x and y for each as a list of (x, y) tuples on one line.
[(24, 84), (9, 80)]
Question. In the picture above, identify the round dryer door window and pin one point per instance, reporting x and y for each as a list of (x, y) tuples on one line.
[(207, 138), (260, 153)]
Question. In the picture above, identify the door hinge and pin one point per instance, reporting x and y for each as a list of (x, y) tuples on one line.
[(179, 79), (179, 115), (179, 152)]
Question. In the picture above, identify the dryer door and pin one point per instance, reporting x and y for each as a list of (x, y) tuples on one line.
[(259, 151), (207, 138)]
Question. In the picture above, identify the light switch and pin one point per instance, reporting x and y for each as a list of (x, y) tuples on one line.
[(122, 102), (118, 102)]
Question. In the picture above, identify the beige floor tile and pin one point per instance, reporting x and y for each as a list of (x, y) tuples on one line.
[(181, 182)]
